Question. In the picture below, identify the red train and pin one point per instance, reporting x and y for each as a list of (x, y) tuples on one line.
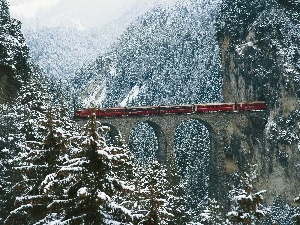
[(172, 109)]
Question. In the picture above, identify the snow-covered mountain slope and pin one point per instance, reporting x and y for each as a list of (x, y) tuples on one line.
[(79, 14), (170, 55), (61, 51), (60, 45)]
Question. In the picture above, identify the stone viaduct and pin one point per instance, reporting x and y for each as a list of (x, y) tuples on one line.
[(221, 127)]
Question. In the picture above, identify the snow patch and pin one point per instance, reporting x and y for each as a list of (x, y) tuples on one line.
[(96, 95), (131, 95), (103, 196), (82, 192), (112, 71)]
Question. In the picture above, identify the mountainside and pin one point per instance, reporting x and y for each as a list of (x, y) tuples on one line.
[(61, 51), (168, 56), (14, 64), (81, 15), (260, 49), (62, 43)]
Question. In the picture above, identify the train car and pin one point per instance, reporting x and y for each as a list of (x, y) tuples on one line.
[(172, 109), (82, 113), (248, 106), (141, 111), (110, 112), (215, 107), (176, 109)]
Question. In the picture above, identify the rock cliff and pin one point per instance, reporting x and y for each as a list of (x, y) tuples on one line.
[(259, 47)]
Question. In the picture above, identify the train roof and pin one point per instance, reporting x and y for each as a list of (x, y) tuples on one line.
[(175, 105), (112, 108), (216, 103), (251, 102)]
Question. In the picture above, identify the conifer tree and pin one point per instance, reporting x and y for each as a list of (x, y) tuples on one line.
[(151, 204), (9, 141), (88, 187), (296, 216), (36, 157), (279, 213), (246, 204), (178, 196), (210, 213), (14, 64)]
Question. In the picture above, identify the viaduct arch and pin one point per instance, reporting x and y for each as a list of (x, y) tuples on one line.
[(220, 125)]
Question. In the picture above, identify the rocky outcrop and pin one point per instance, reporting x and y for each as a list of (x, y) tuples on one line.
[(259, 47)]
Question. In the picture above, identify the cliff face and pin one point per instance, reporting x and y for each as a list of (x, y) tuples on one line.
[(259, 44)]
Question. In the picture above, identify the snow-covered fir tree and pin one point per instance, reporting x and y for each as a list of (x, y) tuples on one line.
[(31, 162), (14, 64), (31, 106), (210, 212), (151, 195), (89, 186), (279, 213), (246, 204), (15, 69), (10, 138), (178, 196), (296, 216)]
